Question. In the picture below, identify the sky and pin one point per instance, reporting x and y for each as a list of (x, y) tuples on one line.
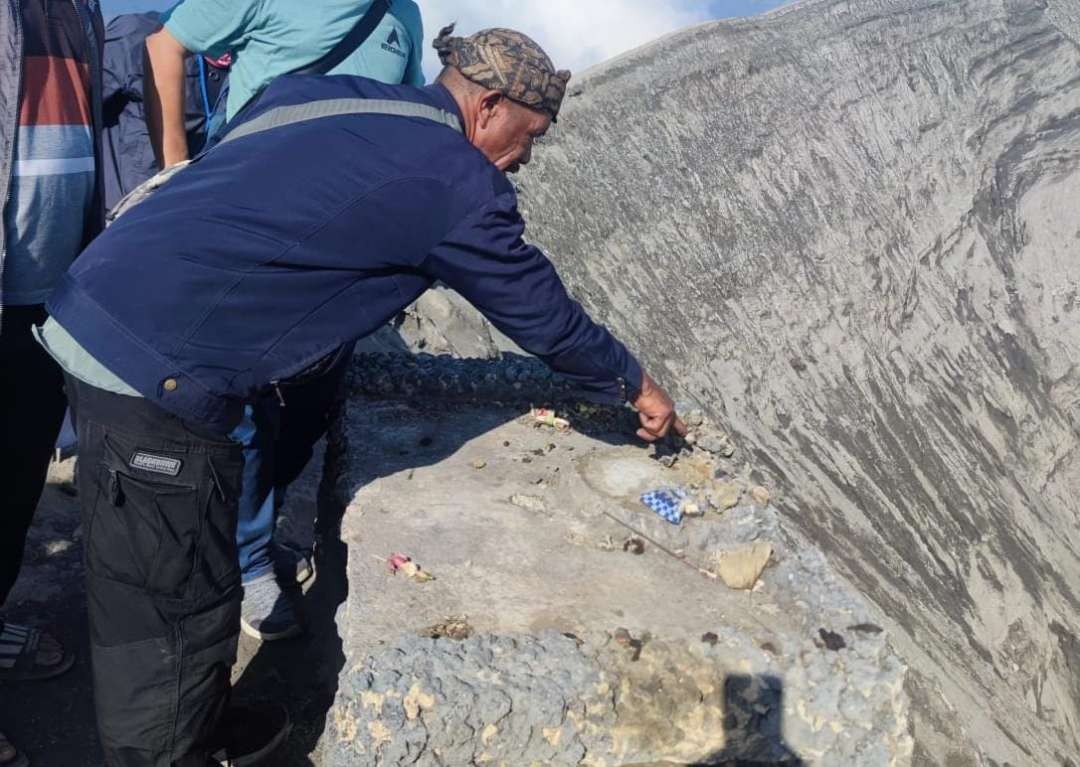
[(575, 33)]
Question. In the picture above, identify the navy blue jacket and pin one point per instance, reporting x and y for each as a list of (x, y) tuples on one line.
[(129, 157), (274, 249)]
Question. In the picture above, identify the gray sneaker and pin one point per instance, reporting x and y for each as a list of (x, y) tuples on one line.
[(267, 612)]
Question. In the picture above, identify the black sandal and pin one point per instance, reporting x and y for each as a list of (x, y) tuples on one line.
[(19, 647)]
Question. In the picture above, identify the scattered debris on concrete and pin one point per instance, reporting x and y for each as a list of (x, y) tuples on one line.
[(724, 495), (692, 508), (667, 503), (607, 543), (741, 568), (636, 644), (712, 440), (402, 563), (456, 628), (529, 503), (832, 640), (634, 545), (479, 464), (545, 417)]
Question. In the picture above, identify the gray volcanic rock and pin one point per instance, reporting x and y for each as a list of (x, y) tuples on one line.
[(440, 322), (847, 231), (544, 639)]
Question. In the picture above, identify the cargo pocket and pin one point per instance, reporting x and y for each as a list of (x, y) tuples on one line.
[(144, 533), (139, 713)]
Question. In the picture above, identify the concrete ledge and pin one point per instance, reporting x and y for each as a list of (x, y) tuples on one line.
[(576, 651)]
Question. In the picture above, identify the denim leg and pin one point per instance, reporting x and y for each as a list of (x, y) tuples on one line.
[(257, 434)]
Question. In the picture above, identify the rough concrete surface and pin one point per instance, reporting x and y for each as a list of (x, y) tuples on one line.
[(580, 651), (845, 230)]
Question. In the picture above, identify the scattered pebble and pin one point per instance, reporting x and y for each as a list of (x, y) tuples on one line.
[(692, 509), (479, 464), (760, 495), (710, 638), (715, 442)]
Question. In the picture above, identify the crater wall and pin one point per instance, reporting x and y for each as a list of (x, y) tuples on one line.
[(847, 230)]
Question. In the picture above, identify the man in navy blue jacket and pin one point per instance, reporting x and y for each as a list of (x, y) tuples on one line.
[(331, 205)]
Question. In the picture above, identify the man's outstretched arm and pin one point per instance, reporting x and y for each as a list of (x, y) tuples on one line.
[(486, 259)]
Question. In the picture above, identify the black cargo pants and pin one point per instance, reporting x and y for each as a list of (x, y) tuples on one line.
[(158, 502)]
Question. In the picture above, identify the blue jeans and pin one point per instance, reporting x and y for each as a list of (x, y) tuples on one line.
[(278, 442), (256, 515)]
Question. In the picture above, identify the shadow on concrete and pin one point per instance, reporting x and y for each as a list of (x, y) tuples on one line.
[(753, 724), (303, 673)]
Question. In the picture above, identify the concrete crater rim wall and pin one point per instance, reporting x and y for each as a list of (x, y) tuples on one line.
[(843, 229)]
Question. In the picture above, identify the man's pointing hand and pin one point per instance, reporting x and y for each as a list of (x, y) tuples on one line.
[(657, 412)]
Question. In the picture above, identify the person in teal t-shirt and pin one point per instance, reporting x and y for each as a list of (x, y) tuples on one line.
[(269, 38)]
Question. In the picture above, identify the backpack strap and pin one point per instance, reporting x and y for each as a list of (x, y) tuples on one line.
[(314, 110), (348, 44)]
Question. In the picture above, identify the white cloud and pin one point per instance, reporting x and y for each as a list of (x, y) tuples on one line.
[(575, 33)]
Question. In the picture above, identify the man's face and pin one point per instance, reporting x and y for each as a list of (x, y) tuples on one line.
[(506, 130)]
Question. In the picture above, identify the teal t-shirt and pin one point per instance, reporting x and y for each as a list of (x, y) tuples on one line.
[(269, 38)]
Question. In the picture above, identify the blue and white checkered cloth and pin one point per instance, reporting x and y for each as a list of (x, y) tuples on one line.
[(667, 503)]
